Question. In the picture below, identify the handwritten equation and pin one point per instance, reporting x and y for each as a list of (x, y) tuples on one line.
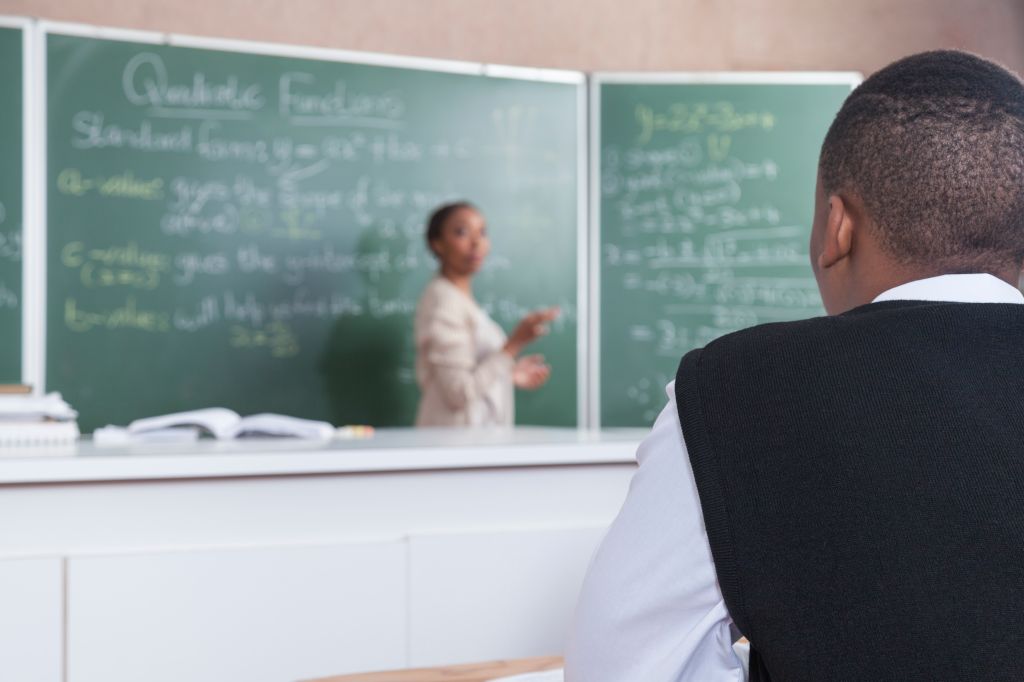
[(698, 238)]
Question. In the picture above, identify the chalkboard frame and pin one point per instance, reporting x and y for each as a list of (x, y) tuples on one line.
[(596, 80), (36, 336)]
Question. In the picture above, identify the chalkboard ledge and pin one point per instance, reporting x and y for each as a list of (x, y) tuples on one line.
[(390, 450)]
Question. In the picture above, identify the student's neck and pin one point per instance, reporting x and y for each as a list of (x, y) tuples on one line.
[(463, 282), (899, 276)]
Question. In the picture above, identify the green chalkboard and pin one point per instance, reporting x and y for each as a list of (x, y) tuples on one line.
[(706, 199), (11, 184), (240, 229)]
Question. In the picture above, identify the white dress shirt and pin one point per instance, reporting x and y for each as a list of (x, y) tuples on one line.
[(651, 609)]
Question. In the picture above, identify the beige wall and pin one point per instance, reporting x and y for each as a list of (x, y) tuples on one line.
[(589, 34)]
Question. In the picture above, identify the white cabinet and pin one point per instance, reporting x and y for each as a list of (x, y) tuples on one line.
[(276, 562), (31, 620), (296, 612), (482, 596), (258, 615)]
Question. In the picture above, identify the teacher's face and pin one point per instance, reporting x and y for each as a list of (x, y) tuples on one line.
[(463, 243)]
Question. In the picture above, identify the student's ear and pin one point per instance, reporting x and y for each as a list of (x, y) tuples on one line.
[(837, 240)]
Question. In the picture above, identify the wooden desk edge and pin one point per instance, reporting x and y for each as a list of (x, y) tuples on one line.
[(472, 672)]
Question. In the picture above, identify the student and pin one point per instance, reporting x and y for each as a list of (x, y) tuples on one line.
[(465, 366), (848, 491)]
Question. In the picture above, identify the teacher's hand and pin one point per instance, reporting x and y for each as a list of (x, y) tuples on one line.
[(529, 329), (530, 372)]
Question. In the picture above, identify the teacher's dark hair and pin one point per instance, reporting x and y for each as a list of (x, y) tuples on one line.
[(933, 145), (440, 216)]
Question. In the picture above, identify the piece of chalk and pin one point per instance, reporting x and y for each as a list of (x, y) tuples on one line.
[(354, 431)]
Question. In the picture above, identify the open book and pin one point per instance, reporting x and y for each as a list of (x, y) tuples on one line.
[(225, 424)]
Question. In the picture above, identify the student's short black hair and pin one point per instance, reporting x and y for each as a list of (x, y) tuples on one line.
[(933, 144), (440, 216)]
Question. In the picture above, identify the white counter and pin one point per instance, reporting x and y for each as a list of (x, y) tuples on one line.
[(388, 450), (275, 560)]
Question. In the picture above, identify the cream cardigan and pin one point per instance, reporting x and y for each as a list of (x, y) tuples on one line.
[(464, 377)]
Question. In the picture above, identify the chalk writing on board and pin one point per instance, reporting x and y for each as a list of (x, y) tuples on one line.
[(714, 117), (260, 218), (10, 244), (10, 252), (8, 298), (278, 338), (145, 82), (124, 185), (694, 245), (126, 315), (303, 103), (273, 201), (90, 130)]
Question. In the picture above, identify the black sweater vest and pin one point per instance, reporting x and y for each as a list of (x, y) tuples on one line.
[(862, 484)]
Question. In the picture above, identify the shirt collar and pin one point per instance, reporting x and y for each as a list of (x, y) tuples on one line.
[(973, 288)]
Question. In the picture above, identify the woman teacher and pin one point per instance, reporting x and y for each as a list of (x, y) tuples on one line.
[(466, 368)]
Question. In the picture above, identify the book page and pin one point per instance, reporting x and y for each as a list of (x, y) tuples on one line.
[(279, 425), (219, 421)]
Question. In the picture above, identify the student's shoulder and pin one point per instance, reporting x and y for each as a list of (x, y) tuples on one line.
[(864, 321), (770, 337), (766, 356)]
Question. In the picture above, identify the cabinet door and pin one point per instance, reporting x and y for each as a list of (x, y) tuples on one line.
[(493, 595), (270, 614), (31, 613)]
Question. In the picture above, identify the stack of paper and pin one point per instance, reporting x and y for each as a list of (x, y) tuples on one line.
[(36, 420)]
